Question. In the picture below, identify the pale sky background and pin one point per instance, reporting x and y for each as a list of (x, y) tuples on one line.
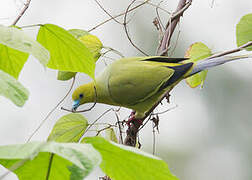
[(208, 136)]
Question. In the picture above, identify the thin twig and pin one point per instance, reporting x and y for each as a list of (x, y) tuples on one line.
[(126, 30), (163, 112), (97, 2), (49, 114), (113, 50), (95, 122), (26, 5), (103, 129), (121, 14), (153, 139), (145, 122), (119, 128), (159, 19), (109, 58), (231, 51), (158, 6)]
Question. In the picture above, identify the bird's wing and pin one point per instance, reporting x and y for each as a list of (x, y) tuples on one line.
[(133, 81)]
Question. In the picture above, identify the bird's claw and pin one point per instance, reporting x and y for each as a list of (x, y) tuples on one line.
[(133, 119)]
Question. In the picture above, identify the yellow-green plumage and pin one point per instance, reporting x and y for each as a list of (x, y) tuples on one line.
[(136, 83)]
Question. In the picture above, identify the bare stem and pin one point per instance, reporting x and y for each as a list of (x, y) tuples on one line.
[(26, 5), (231, 51), (97, 2), (126, 30), (116, 16)]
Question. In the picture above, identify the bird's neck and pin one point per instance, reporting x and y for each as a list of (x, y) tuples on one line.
[(90, 95), (97, 93)]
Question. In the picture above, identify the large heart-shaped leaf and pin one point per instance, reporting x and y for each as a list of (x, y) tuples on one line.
[(50, 160), (69, 128), (121, 162), (67, 53), (92, 42)]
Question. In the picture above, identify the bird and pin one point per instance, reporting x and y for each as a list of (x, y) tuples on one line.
[(138, 83)]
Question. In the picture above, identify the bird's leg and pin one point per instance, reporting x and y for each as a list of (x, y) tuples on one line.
[(133, 128), (132, 119)]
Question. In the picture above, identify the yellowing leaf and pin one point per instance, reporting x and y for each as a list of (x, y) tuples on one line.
[(67, 53), (93, 43), (90, 41), (244, 31), (196, 52)]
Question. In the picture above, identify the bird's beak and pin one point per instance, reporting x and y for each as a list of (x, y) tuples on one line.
[(76, 104)]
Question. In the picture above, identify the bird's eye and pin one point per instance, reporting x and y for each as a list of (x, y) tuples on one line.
[(81, 95)]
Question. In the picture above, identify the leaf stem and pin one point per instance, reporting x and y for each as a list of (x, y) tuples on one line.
[(49, 166)]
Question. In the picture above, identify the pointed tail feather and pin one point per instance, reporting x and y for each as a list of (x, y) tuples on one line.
[(209, 63)]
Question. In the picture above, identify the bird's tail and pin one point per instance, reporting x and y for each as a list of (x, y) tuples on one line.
[(209, 63)]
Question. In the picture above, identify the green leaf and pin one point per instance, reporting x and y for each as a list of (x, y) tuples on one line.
[(123, 163), (11, 60), (37, 159), (67, 53), (110, 135), (65, 75), (244, 31), (12, 89), (90, 41), (69, 128), (196, 52), (17, 39)]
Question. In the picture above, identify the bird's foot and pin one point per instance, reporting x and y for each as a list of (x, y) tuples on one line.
[(132, 119)]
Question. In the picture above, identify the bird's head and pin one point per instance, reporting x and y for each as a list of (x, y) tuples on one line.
[(82, 95)]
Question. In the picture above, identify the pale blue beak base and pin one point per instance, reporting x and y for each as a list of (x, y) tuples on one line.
[(76, 104)]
